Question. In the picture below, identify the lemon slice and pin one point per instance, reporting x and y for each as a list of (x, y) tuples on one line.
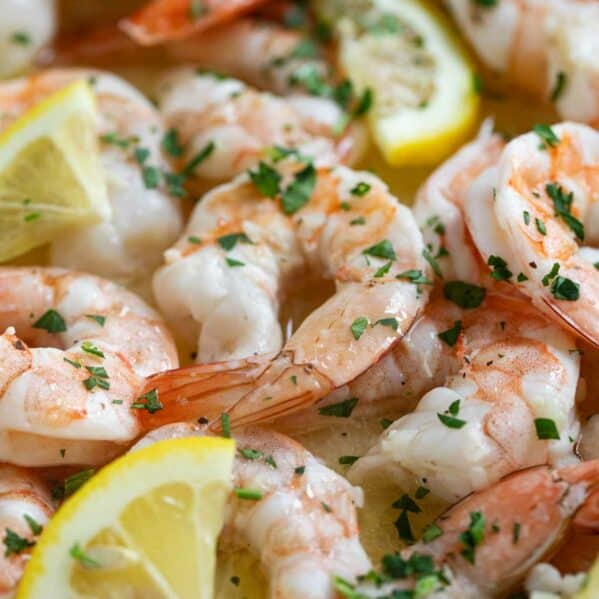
[(425, 102), (590, 589), (145, 526), (50, 172)]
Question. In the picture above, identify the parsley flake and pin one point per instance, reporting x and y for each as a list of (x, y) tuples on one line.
[(343, 409)]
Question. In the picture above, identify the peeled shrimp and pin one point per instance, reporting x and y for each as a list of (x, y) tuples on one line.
[(237, 125), (69, 398), (486, 544), (25, 27), (374, 262), (25, 507), (303, 527), (547, 47), (534, 211), (517, 368), (145, 220), (439, 209)]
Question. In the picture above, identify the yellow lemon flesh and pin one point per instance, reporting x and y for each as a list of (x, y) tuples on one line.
[(145, 526), (590, 589), (425, 101), (51, 178)]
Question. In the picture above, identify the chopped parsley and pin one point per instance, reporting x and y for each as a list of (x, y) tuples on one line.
[(357, 221), (148, 401), (225, 424), (385, 423), (551, 274), (451, 336), (90, 348), (382, 249), (565, 289), (250, 494), (358, 326), (97, 378), (360, 189), (228, 242), (383, 270), (22, 38), (101, 320), (266, 179), (434, 264), (76, 481), (473, 536), (151, 177), (203, 154), (559, 86), (343, 409), (77, 553), (463, 294), (171, 144), (36, 527), (541, 228), (232, 263), (14, 544), (348, 460), (404, 529), (562, 204), (414, 276), (299, 471), (388, 322), (547, 135), (500, 270), (299, 191), (51, 321), (449, 418), (546, 428), (431, 532), (526, 217)]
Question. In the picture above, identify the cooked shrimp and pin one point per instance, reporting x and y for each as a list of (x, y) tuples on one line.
[(233, 126), (547, 47), (278, 482), (349, 228), (164, 20), (223, 280), (69, 398), (145, 220), (485, 545), (511, 405), (439, 208), (534, 210), (25, 508), (25, 27)]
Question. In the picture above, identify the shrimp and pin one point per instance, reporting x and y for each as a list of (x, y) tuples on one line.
[(547, 47), (347, 226), (485, 545), (533, 210), (233, 126), (127, 246), (301, 522), (26, 26), (439, 208), (163, 20), (25, 508), (511, 405), (73, 397)]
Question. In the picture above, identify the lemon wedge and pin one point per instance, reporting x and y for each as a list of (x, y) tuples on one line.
[(425, 102), (145, 526), (51, 178), (590, 589)]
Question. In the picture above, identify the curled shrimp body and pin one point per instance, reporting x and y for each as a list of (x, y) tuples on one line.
[(520, 521), (25, 507), (516, 367), (303, 526), (145, 220), (25, 27), (363, 239), (547, 47), (237, 124), (439, 208), (535, 210), (67, 399)]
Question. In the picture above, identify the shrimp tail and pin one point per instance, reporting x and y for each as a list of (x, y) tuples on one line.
[(202, 391), (163, 20), (586, 519)]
